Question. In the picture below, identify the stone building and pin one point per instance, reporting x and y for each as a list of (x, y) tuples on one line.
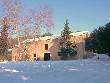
[(47, 48)]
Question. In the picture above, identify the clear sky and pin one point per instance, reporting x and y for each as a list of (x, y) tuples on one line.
[(83, 15)]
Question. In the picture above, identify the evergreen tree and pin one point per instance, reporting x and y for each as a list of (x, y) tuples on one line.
[(4, 37), (47, 34), (66, 47), (99, 40), (66, 32)]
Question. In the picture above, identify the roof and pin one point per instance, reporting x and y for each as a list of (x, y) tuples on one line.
[(55, 36), (80, 33), (36, 39)]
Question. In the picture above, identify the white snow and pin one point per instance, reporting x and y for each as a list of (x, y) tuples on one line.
[(102, 57), (25, 78), (77, 71), (9, 50), (80, 33), (40, 38), (55, 36), (10, 70), (46, 38)]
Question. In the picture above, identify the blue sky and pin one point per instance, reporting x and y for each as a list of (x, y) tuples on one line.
[(83, 15)]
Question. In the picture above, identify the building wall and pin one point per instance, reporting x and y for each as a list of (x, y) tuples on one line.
[(38, 48)]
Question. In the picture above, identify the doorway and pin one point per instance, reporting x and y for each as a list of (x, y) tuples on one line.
[(46, 56)]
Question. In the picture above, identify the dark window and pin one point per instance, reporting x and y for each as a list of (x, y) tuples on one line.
[(46, 46), (34, 55)]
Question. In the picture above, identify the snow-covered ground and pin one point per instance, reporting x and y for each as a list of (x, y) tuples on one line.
[(77, 71)]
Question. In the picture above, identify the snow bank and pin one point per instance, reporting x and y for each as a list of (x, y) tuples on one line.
[(25, 77), (10, 70), (78, 71), (102, 57), (3, 62)]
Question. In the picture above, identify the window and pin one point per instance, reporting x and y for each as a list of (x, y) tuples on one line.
[(34, 55), (46, 46)]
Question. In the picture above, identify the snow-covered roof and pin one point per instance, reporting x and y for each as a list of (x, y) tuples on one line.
[(79, 33), (55, 36), (9, 50), (46, 37), (28, 40), (36, 39)]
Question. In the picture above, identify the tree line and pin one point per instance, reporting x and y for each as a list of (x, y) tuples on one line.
[(99, 40)]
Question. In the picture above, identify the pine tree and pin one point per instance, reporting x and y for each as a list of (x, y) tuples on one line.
[(4, 37), (99, 40), (66, 47), (66, 32)]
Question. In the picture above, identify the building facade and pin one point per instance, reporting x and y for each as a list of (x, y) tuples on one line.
[(47, 48)]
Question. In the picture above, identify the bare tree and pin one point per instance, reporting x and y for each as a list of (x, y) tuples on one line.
[(42, 19), (32, 23), (12, 9)]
